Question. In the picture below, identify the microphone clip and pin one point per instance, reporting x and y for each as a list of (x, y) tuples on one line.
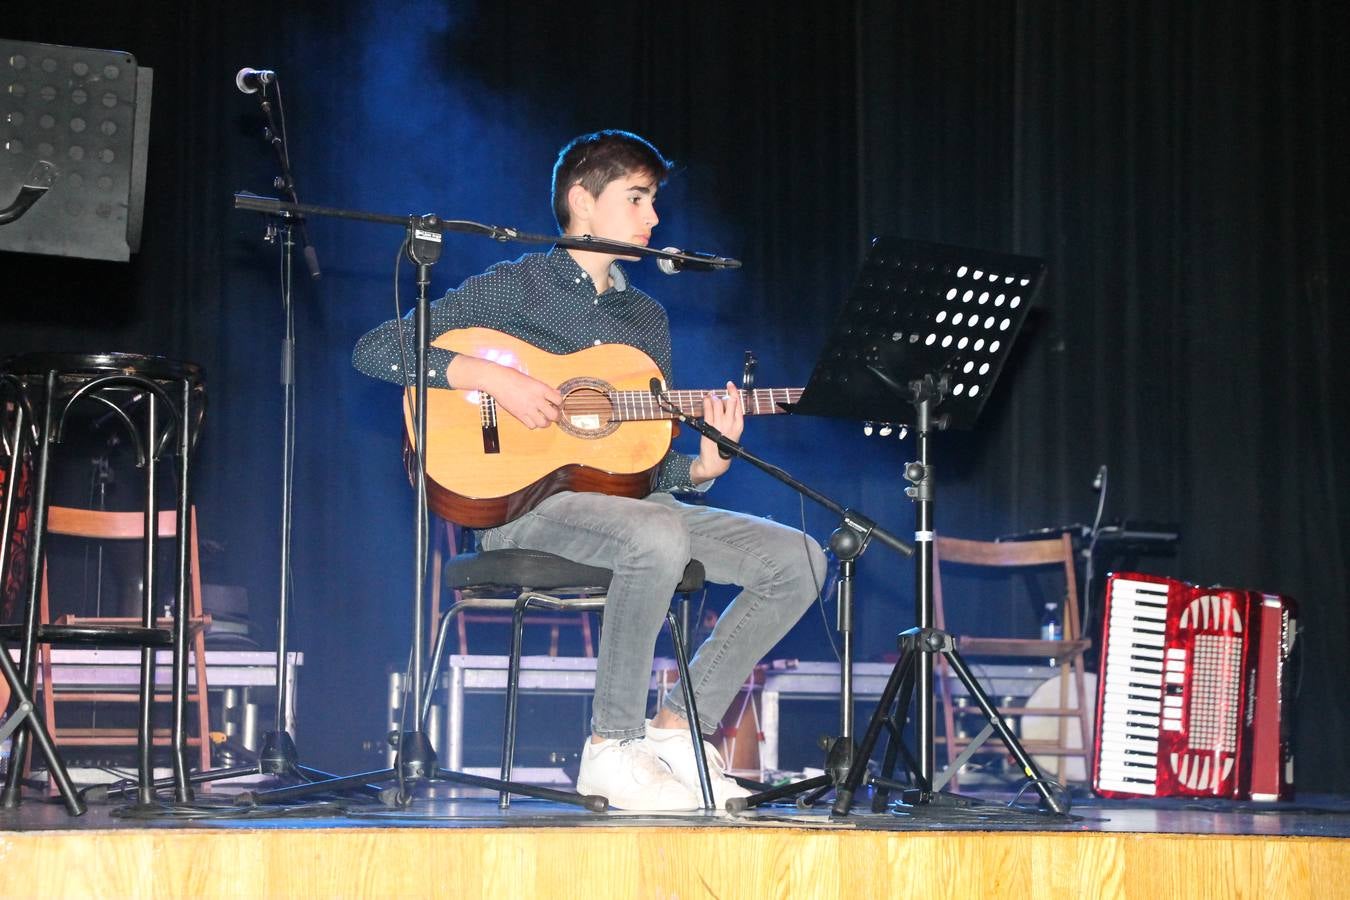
[(693, 261), (39, 180), (726, 447)]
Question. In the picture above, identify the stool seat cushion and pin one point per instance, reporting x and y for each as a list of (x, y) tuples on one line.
[(540, 571), (39, 363)]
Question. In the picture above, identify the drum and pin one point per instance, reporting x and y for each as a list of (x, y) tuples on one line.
[(1046, 728), (740, 735)]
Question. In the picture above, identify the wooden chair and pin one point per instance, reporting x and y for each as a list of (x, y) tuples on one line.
[(1072, 712), (104, 526)]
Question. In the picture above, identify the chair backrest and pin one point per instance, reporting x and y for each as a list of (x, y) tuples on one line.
[(1010, 555), (99, 524)]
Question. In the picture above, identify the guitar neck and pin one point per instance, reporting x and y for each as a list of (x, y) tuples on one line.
[(642, 405)]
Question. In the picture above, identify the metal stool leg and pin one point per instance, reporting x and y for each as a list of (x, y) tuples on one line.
[(145, 736), (691, 708), (434, 668), (26, 709), (182, 609), (512, 696), (28, 652)]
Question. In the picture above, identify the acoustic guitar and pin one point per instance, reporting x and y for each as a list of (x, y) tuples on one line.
[(484, 468)]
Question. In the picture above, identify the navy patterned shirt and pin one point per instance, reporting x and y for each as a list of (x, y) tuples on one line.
[(547, 300)]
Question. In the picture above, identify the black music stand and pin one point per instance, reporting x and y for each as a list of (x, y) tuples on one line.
[(927, 326)]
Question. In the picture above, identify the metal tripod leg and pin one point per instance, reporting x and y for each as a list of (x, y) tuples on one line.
[(902, 676), (1001, 728), (895, 746), (26, 709), (912, 643)]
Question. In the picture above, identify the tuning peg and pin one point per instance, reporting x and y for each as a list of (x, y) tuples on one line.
[(886, 429), (867, 428)]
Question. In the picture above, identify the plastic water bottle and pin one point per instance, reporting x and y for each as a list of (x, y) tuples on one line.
[(1052, 628)]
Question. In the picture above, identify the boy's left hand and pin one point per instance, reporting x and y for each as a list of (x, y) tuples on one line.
[(726, 413)]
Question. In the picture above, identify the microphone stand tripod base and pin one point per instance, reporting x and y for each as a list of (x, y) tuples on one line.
[(278, 758)]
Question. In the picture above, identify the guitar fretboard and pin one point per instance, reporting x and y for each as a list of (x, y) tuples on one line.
[(637, 405), (634, 406)]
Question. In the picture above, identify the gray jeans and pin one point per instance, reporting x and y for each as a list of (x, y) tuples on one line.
[(647, 544)]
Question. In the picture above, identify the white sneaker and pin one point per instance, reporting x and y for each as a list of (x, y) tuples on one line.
[(630, 776), (675, 746)]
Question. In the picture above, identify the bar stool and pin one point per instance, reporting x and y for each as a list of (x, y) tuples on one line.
[(521, 580), (160, 404)]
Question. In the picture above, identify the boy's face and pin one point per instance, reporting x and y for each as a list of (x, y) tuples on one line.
[(624, 211)]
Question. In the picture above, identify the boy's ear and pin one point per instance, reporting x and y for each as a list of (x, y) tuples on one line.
[(580, 202)]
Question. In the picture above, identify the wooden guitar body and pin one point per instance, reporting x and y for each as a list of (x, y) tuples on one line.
[(485, 468)]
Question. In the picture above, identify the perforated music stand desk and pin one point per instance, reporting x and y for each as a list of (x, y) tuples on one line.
[(922, 309)]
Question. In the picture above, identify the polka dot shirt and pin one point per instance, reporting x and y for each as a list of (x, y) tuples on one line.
[(547, 300)]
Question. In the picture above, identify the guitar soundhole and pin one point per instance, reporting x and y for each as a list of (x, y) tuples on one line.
[(586, 408)]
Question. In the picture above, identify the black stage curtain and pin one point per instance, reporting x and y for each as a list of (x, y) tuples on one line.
[(1175, 164)]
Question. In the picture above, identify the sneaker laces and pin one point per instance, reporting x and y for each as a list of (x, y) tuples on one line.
[(717, 767)]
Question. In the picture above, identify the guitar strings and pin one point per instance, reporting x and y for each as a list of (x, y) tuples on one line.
[(639, 403)]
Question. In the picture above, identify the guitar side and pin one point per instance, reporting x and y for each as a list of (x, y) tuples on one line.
[(481, 477)]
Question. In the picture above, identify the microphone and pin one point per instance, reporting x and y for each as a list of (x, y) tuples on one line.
[(250, 81), (704, 262), (1100, 479)]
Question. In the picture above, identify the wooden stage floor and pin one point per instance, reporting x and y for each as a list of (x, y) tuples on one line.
[(444, 847)]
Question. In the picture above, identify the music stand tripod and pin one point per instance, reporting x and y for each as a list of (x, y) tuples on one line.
[(926, 325)]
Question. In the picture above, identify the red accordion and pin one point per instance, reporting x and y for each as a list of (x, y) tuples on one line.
[(1195, 691)]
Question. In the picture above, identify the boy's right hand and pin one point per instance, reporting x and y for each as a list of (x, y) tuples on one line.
[(528, 399)]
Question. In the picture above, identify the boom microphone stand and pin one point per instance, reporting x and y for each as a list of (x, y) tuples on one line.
[(415, 757), (278, 755)]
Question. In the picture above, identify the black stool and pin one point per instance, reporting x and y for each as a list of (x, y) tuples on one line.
[(159, 403), (520, 580)]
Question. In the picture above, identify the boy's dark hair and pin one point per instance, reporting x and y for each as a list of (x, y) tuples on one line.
[(594, 160)]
